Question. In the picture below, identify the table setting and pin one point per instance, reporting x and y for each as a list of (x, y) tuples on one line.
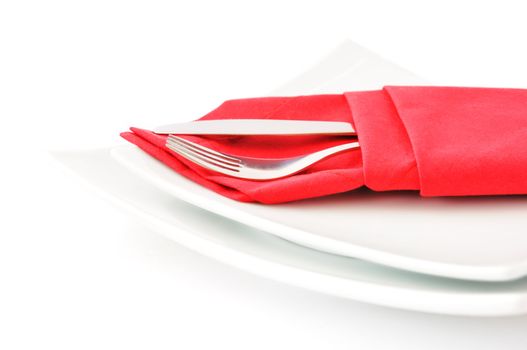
[(357, 179)]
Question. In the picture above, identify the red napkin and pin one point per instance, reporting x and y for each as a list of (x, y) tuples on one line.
[(443, 141)]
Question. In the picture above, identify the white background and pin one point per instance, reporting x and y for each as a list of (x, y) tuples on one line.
[(75, 273)]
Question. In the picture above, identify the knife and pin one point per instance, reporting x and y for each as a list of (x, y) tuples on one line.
[(257, 127)]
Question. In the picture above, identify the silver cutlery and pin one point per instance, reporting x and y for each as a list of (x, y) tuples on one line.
[(257, 127), (247, 167)]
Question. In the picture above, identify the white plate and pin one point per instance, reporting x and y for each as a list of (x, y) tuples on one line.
[(471, 238), (269, 256)]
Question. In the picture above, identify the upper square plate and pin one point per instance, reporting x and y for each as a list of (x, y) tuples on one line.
[(468, 238), (477, 238)]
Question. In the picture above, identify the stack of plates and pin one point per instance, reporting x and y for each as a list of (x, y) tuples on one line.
[(463, 256)]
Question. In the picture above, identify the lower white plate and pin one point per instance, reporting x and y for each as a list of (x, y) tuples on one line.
[(269, 256)]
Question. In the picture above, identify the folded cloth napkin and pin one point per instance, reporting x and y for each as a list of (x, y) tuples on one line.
[(442, 141)]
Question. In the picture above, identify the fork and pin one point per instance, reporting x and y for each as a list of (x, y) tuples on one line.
[(248, 167)]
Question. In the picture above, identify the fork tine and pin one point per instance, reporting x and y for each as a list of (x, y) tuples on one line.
[(204, 162), (207, 150), (202, 153)]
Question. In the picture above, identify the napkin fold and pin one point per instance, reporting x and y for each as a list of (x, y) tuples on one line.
[(442, 141)]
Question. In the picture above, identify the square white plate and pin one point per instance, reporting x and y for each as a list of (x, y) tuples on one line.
[(266, 255), (467, 238), (481, 238), (269, 256)]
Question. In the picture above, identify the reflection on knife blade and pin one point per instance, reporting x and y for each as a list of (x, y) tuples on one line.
[(257, 127)]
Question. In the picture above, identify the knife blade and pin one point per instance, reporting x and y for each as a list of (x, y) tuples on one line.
[(257, 127)]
